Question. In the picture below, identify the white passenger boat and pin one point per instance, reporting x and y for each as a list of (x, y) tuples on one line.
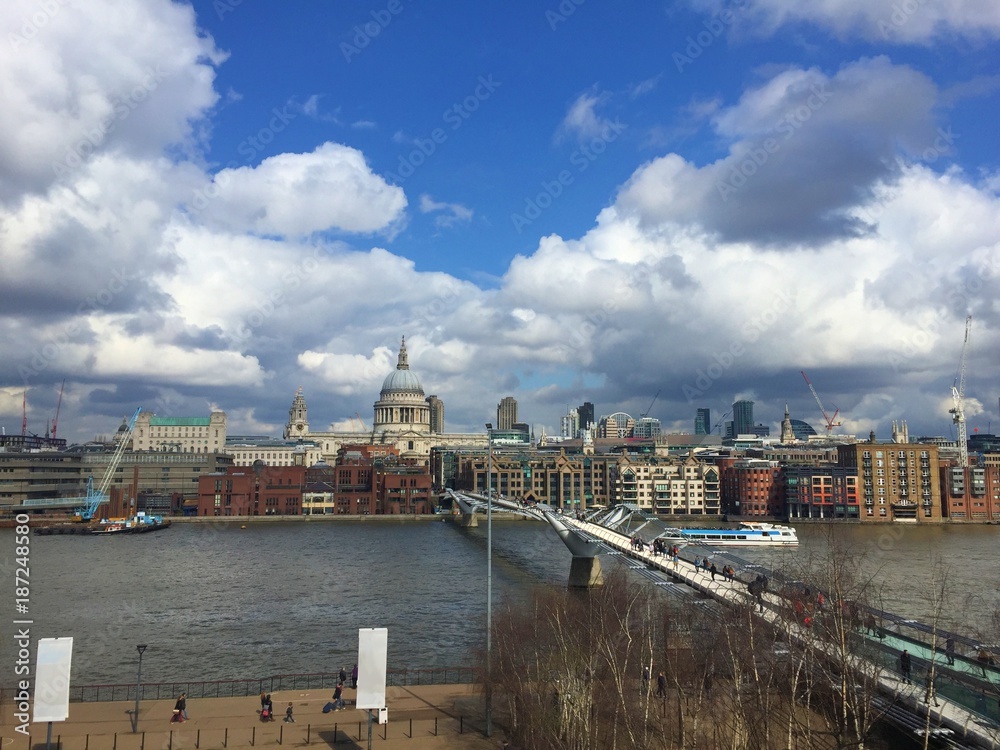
[(747, 534)]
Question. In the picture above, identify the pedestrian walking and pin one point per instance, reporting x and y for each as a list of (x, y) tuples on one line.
[(289, 719), (661, 685), (757, 591), (713, 570), (949, 651), (905, 665), (268, 713), (645, 680), (354, 678), (343, 675), (338, 699), (184, 705), (178, 714)]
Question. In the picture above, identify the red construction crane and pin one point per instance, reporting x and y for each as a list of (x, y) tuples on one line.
[(55, 420), (830, 424)]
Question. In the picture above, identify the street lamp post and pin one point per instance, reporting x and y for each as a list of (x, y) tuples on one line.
[(138, 688), (489, 579)]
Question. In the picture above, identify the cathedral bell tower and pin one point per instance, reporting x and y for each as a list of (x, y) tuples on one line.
[(298, 422)]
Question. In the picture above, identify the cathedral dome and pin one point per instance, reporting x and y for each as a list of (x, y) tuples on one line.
[(402, 379)]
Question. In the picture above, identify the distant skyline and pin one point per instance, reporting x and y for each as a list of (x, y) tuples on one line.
[(207, 205)]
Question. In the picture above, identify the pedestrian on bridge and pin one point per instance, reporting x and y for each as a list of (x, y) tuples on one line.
[(661, 685), (905, 666), (756, 588), (645, 680), (949, 651)]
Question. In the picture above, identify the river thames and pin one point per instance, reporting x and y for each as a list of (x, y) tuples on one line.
[(214, 601)]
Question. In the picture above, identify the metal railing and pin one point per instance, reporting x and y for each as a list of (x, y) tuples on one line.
[(253, 686)]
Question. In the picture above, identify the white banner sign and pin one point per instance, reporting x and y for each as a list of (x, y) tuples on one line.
[(373, 646)]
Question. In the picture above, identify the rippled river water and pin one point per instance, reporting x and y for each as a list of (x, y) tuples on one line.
[(214, 601)]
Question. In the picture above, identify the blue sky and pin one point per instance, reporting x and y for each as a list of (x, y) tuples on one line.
[(208, 205)]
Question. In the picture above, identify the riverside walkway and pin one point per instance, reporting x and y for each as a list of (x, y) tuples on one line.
[(435, 717)]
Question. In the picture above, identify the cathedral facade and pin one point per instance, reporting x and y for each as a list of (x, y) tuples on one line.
[(403, 417)]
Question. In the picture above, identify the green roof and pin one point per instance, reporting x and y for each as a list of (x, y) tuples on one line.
[(178, 421)]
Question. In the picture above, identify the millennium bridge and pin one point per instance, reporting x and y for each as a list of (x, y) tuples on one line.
[(953, 693)]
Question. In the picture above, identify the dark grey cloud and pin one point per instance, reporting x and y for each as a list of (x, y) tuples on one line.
[(805, 148)]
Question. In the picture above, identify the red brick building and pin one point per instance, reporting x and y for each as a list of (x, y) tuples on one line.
[(366, 480), (404, 490), (753, 487), (970, 495), (259, 490), (822, 492), (373, 479)]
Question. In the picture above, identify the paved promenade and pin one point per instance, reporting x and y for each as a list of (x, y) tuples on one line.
[(415, 712)]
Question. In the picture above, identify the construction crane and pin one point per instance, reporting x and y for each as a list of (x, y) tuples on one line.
[(93, 499), (958, 396), (55, 420), (650, 407), (830, 423), (24, 413), (361, 422), (718, 425)]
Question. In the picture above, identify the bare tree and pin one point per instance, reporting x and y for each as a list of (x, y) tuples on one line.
[(569, 666)]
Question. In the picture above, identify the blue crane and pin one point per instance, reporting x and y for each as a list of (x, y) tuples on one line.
[(94, 497)]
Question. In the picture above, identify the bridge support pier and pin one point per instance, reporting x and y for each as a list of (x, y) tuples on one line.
[(585, 573), (469, 520)]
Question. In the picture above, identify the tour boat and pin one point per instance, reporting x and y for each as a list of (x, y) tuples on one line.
[(747, 534)]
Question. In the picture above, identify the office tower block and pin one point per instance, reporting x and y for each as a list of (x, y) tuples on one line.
[(703, 421)]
